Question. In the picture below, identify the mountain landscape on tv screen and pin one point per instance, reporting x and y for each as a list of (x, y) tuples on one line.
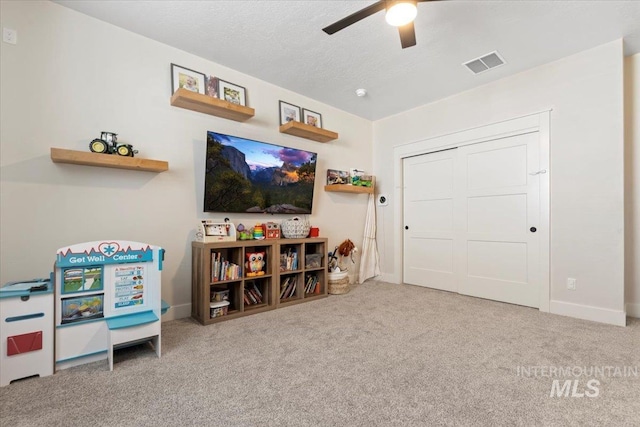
[(242, 175)]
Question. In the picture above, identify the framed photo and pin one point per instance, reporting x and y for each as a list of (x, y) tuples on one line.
[(231, 92), (187, 79), (212, 87), (337, 177), (356, 175), (289, 113), (311, 118)]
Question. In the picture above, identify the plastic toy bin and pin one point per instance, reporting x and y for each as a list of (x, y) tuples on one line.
[(218, 296), (218, 309), (313, 260)]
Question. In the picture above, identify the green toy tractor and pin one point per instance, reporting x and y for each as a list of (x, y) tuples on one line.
[(108, 144)]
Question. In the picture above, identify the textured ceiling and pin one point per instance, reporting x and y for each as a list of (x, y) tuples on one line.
[(282, 42)]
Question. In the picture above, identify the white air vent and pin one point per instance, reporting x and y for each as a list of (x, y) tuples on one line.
[(484, 63)]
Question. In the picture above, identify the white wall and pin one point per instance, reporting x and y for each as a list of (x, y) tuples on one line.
[(587, 223), (70, 77), (632, 184)]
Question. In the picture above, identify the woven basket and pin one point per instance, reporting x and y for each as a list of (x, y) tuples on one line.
[(295, 228), (338, 283)]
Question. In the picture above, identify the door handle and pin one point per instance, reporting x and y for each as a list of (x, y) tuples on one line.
[(533, 229), (540, 172), (406, 227)]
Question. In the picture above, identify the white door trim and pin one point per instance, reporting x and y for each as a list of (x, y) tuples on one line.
[(539, 122)]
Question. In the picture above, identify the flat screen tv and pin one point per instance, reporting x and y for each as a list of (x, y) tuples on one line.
[(242, 175)]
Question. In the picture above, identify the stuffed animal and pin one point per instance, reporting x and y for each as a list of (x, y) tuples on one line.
[(255, 264), (346, 248)]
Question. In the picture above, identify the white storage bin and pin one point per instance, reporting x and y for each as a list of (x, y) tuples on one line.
[(218, 309)]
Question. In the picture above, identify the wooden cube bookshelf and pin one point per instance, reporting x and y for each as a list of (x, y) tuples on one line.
[(256, 294)]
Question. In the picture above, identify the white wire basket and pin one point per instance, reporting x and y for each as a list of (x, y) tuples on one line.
[(295, 228)]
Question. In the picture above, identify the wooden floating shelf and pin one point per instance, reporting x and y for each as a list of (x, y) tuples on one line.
[(307, 131), (184, 98), (346, 188), (60, 155)]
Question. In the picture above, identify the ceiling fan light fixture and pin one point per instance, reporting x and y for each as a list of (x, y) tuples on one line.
[(401, 13)]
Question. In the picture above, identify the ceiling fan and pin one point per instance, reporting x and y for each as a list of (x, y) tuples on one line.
[(400, 13)]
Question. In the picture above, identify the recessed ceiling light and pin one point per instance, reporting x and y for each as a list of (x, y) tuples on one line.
[(361, 92)]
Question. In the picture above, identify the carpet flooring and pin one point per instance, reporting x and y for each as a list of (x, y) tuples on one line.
[(381, 355)]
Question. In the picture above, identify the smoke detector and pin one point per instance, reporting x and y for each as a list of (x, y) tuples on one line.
[(361, 92), (485, 62)]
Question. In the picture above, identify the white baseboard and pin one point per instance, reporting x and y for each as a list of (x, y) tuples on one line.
[(595, 314), (387, 277), (633, 310), (177, 312), (353, 278)]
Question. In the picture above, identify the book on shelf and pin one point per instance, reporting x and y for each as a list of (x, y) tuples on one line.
[(309, 284), (292, 291), (283, 287), (247, 301), (312, 285), (257, 291), (288, 287), (222, 269), (289, 260), (252, 295)]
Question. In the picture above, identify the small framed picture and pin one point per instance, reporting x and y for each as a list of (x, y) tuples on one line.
[(311, 118), (187, 79), (337, 177), (212, 87), (232, 93), (289, 113)]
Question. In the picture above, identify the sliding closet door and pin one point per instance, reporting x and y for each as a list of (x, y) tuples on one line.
[(471, 215), (428, 182), (497, 218)]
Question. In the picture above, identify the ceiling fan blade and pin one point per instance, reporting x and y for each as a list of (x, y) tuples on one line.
[(354, 17), (407, 35)]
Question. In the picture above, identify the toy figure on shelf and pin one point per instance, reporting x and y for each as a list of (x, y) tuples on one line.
[(258, 232), (272, 230), (243, 233), (108, 144), (255, 264)]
